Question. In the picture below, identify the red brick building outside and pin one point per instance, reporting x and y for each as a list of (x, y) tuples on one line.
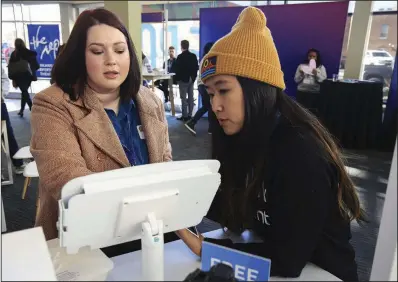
[(383, 33)]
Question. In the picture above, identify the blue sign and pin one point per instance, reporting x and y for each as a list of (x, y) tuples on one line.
[(247, 267), (45, 40)]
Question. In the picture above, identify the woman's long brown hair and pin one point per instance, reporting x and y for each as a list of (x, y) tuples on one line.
[(243, 157)]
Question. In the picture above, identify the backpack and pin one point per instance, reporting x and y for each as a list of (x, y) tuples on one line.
[(19, 67)]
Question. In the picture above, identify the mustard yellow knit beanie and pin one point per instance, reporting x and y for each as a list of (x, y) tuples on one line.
[(247, 51)]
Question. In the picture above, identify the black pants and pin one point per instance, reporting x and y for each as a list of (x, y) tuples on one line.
[(164, 86), (206, 107), (24, 85), (12, 142), (309, 100)]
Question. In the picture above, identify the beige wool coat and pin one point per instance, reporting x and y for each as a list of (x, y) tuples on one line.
[(76, 138)]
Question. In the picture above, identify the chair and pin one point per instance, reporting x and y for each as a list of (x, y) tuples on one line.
[(30, 171), (24, 154)]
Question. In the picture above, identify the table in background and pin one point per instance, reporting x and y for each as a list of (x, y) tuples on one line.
[(180, 261), (352, 112), (169, 76)]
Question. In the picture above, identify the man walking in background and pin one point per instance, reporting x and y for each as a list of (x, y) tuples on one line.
[(186, 72)]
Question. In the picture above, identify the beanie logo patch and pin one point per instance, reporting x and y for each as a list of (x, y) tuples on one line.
[(208, 67)]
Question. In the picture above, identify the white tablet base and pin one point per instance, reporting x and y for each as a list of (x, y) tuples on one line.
[(142, 202)]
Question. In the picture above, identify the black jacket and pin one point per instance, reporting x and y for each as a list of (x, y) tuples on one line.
[(30, 57), (186, 66), (171, 68), (170, 65), (298, 215)]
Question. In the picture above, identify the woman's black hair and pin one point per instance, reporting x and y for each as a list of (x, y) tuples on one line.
[(207, 48), (243, 156), (19, 44), (318, 57), (69, 71)]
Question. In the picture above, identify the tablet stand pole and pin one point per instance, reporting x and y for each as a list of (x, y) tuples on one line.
[(152, 248)]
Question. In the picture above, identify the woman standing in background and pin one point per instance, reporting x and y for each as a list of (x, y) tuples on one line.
[(310, 83), (24, 76)]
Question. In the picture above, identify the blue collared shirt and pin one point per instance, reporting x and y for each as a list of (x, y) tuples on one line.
[(127, 125)]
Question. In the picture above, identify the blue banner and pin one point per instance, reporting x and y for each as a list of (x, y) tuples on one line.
[(392, 96), (246, 267), (45, 40)]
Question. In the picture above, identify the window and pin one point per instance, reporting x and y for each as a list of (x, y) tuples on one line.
[(18, 12), (277, 2), (44, 12), (384, 31), (8, 36), (152, 39), (381, 54), (7, 12), (26, 13), (307, 2), (378, 66), (15, 17)]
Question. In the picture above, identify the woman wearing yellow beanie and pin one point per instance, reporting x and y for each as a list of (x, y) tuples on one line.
[(282, 174)]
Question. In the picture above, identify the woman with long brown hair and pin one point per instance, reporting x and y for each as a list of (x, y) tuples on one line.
[(25, 64), (282, 175)]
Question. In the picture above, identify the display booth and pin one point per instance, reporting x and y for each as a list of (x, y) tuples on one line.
[(113, 207), (294, 28)]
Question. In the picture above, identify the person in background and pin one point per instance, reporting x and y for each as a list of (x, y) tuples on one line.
[(24, 77), (206, 106), (97, 117), (164, 83), (146, 68), (309, 84), (145, 60), (282, 175), (186, 72), (12, 142)]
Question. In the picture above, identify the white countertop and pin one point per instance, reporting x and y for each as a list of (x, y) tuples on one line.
[(180, 261), (25, 256)]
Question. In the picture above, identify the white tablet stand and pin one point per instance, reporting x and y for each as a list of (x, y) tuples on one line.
[(142, 202)]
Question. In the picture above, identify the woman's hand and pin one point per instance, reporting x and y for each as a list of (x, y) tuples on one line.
[(191, 240), (314, 72)]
